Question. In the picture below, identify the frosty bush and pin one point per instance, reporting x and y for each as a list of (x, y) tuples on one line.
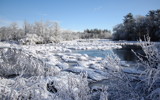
[(31, 39), (14, 62), (33, 88), (74, 87), (144, 86), (150, 77), (69, 87), (119, 83), (104, 94), (25, 77)]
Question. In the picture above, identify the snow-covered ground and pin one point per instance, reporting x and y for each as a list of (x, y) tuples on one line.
[(61, 58)]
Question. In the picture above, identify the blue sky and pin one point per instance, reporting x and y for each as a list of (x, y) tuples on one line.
[(74, 14)]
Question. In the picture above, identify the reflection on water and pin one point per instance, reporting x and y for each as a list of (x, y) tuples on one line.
[(95, 53), (125, 53)]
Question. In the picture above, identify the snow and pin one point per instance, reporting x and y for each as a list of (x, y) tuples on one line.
[(61, 54), (4, 45), (62, 65), (61, 59)]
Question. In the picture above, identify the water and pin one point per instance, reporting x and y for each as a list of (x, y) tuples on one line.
[(125, 53), (95, 53)]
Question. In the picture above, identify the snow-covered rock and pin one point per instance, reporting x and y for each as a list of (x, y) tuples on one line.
[(62, 65), (90, 72)]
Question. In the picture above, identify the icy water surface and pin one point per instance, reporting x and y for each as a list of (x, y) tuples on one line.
[(125, 53)]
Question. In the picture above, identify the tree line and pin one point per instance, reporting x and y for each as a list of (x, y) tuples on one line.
[(38, 32), (96, 33), (132, 29), (46, 32), (135, 28)]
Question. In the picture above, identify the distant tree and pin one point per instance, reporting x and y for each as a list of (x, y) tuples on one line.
[(3, 34), (96, 33), (119, 32), (56, 29), (157, 18), (140, 26), (28, 29), (134, 28), (13, 29), (39, 28), (129, 23), (57, 32)]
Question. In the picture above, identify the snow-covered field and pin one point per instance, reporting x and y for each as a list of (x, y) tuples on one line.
[(48, 71)]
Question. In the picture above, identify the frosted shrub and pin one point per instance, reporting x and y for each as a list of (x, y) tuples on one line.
[(119, 83), (104, 94), (15, 62), (75, 87), (26, 77), (31, 39), (150, 77), (112, 62), (144, 86), (33, 88), (69, 87)]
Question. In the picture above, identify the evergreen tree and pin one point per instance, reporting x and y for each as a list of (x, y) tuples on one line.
[(129, 23)]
